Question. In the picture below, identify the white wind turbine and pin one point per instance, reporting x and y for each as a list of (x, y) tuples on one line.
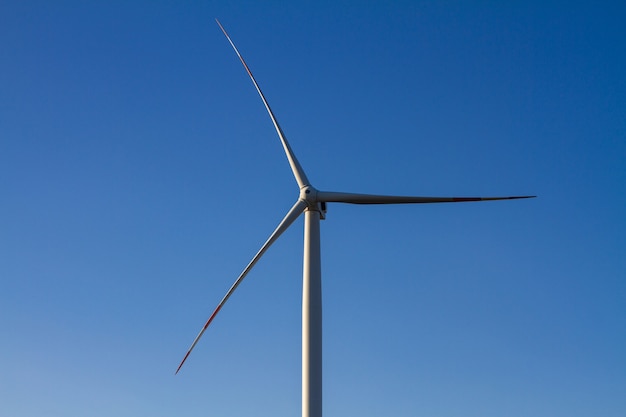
[(312, 202)]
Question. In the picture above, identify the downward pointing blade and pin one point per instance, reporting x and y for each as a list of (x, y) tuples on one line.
[(291, 216), (335, 197), (296, 168)]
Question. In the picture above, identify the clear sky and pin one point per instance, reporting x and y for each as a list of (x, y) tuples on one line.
[(139, 173)]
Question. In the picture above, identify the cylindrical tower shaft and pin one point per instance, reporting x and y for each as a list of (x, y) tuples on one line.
[(312, 317)]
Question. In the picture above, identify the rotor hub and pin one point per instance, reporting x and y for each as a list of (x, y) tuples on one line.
[(309, 194)]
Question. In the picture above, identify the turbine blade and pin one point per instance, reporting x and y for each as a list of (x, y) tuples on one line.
[(291, 216), (334, 197), (296, 168)]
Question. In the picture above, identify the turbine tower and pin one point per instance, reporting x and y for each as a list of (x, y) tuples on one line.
[(312, 202)]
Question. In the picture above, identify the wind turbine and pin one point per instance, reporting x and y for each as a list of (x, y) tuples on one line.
[(312, 202)]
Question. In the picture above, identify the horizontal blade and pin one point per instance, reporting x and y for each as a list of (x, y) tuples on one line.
[(334, 197), (296, 168), (291, 216)]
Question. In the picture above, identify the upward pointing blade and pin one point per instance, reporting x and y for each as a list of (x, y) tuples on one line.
[(296, 168), (291, 216)]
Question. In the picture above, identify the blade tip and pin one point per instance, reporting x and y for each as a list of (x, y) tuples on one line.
[(182, 362), (179, 366)]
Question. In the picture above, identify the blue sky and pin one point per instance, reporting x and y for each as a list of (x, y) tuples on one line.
[(139, 173)]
